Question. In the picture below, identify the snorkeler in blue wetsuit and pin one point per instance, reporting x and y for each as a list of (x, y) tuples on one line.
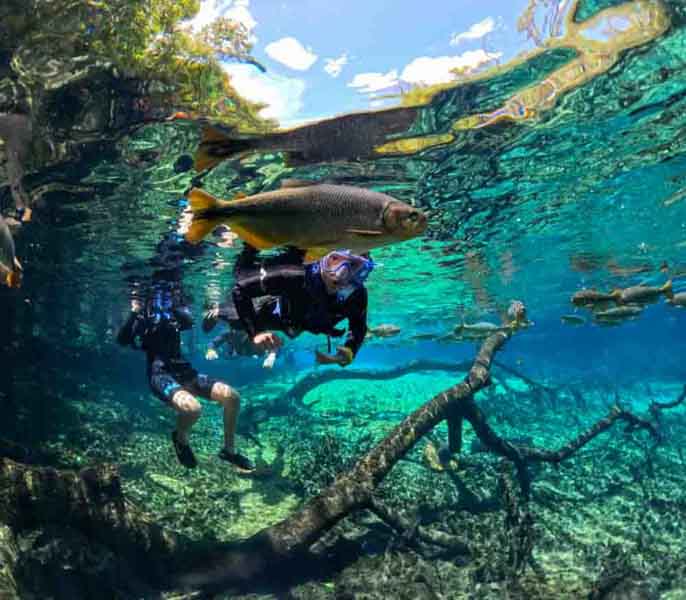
[(158, 316)]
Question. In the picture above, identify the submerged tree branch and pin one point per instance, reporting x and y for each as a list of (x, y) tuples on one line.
[(320, 377), (91, 501), (402, 525), (353, 490)]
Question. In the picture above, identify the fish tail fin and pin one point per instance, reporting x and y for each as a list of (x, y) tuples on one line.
[(199, 228), (217, 145), (13, 279), (667, 290), (200, 201)]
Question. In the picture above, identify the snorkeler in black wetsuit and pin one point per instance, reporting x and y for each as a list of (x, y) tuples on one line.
[(284, 294), (158, 316)]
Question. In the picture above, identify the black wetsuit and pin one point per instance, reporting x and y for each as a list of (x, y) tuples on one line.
[(157, 328), (283, 294)]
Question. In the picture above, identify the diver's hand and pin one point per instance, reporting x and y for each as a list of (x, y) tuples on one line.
[(343, 357), (269, 361), (267, 341), (211, 354)]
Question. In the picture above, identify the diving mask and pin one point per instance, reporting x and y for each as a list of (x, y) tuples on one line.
[(346, 268)]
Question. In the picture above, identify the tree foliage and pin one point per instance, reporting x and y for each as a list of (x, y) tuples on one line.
[(151, 40)]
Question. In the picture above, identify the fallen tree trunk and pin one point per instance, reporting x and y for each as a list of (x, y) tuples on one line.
[(92, 502), (351, 491), (8, 562)]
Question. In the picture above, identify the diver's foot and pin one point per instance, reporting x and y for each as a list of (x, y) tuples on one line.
[(184, 452), (236, 459)]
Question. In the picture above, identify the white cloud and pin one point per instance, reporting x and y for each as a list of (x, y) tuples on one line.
[(368, 83), (283, 95), (292, 53), (429, 71), (334, 66), (476, 31), (238, 10), (424, 70)]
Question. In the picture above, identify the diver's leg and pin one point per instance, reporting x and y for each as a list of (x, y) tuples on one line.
[(188, 409), (230, 400)]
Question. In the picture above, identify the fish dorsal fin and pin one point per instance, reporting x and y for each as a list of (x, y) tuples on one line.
[(297, 183)]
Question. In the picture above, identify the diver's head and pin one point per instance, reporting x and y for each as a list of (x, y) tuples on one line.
[(341, 269), (404, 221)]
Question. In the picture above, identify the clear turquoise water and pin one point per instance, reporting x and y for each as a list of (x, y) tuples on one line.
[(532, 210)]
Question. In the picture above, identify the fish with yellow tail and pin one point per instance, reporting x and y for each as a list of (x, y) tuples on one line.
[(10, 267), (316, 217)]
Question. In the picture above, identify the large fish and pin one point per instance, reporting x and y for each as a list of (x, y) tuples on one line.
[(310, 216), (10, 268), (346, 137)]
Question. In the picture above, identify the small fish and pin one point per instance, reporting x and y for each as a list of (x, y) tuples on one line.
[(678, 299), (642, 293), (572, 319), (619, 312), (587, 297), (384, 330), (477, 331), (425, 336), (310, 216), (10, 267)]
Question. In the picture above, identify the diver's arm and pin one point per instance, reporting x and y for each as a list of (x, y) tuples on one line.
[(220, 340), (217, 341), (357, 320), (356, 312), (127, 332), (184, 317)]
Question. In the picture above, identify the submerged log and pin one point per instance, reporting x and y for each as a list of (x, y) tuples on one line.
[(354, 490), (317, 378), (8, 562), (92, 502)]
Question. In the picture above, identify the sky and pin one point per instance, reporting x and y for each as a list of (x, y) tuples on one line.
[(334, 57)]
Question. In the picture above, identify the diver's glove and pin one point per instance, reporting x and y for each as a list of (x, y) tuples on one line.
[(343, 357)]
